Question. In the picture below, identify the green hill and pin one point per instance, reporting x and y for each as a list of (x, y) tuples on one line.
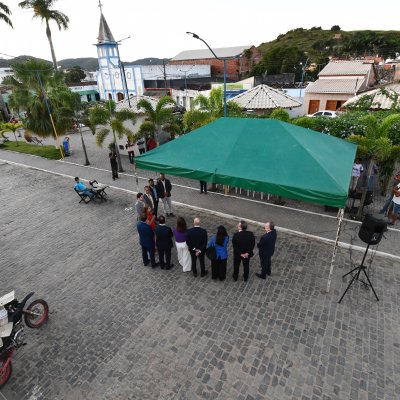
[(86, 63), (289, 51), (316, 42)]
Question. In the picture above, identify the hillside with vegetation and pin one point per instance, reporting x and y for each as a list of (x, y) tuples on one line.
[(316, 45)]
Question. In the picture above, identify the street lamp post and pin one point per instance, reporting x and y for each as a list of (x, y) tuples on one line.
[(302, 75), (224, 59), (122, 71)]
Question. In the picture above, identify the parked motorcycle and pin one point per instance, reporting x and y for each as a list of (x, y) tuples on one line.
[(12, 328)]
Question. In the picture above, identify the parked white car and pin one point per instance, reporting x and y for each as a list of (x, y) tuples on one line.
[(323, 113)]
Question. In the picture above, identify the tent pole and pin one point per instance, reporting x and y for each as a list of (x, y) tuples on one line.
[(340, 217)]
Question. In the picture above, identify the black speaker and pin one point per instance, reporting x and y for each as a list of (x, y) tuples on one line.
[(372, 228)]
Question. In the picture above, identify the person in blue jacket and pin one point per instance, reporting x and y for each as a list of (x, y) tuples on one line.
[(66, 146), (220, 241), (146, 236)]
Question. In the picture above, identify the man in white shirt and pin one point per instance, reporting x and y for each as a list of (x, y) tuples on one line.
[(394, 209)]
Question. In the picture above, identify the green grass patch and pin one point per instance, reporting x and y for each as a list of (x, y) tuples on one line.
[(49, 152)]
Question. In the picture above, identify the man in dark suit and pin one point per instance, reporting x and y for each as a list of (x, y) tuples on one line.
[(146, 236), (164, 243), (266, 248), (154, 195), (196, 239), (148, 198), (243, 243), (164, 188)]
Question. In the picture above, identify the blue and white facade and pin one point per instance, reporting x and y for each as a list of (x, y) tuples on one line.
[(109, 77)]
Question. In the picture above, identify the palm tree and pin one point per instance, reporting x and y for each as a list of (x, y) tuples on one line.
[(158, 118), (373, 146), (10, 127), (4, 13), (209, 109), (43, 9), (106, 114), (35, 82), (73, 102)]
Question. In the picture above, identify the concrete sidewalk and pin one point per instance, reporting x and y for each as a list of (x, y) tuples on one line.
[(304, 222)]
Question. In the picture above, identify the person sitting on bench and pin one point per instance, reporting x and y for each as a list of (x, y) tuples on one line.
[(80, 187)]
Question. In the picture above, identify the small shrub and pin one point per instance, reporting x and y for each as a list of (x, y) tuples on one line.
[(280, 114)]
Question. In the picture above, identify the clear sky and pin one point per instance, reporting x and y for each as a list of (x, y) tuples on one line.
[(157, 27)]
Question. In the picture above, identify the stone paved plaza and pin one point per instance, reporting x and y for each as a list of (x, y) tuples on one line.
[(119, 330)]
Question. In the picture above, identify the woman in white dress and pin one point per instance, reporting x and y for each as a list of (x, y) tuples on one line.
[(180, 240)]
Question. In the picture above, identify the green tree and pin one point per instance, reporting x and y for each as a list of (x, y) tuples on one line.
[(280, 114), (35, 87), (4, 13), (42, 9), (281, 59), (106, 114), (335, 28), (10, 127), (74, 74), (373, 146), (209, 109), (73, 102), (157, 118)]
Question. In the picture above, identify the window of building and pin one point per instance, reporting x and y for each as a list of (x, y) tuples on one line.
[(120, 96)]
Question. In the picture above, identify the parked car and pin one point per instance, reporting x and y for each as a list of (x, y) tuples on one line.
[(324, 113)]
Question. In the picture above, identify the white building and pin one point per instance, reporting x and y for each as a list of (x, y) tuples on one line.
[(110, 77)]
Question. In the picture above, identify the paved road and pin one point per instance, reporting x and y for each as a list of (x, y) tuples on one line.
[(306, 221), (119, 330)]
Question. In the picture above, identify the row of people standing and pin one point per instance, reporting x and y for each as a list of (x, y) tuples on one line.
[(192, 244), (142, 144)]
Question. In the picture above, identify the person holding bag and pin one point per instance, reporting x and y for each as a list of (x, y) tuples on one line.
[(218, 264)]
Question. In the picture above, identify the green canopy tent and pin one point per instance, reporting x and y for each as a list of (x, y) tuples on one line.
[(264, 155)]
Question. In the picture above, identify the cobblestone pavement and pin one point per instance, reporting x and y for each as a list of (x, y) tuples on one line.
[(119, 330)]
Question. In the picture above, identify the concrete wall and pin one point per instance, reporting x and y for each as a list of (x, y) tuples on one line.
[(323, 98), (236, 69)]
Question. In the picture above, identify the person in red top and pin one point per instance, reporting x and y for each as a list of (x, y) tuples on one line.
[(151, 144), (151, 219)]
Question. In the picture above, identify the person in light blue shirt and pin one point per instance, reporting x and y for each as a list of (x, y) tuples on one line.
[(220, 241), (82, 188)]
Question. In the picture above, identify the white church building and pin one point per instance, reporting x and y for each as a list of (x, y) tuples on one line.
[(110, 77)]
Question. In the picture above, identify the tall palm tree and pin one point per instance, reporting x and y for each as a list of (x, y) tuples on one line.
[(43, 9), (4, 13), (157, 118), (106, 115), (27, 94)]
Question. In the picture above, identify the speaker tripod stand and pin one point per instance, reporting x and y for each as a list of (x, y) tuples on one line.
[(356, 276)]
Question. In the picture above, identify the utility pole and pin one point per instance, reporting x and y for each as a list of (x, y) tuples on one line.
[(165, 78)]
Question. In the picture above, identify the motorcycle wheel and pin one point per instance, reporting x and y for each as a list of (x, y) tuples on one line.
[(39, 307), (5, 375)]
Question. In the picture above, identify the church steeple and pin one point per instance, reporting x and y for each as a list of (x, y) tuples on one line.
[(105, 35)]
